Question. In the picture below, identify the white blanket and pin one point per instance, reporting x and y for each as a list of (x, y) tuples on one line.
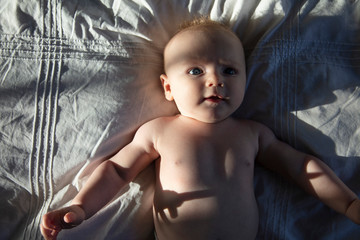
[(78, 77)]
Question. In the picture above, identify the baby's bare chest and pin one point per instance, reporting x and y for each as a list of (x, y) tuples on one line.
[(205, 182), (206, 159)]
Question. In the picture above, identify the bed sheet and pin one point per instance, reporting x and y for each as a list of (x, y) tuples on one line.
[(77, 78)]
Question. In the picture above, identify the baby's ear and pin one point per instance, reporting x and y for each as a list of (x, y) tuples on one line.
[(167, 88)]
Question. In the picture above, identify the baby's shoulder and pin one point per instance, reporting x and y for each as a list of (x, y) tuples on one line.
[(155, 126), (255, 127), (149, 132), (158, 122)]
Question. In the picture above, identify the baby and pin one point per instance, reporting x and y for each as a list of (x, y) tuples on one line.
[(204, 158)]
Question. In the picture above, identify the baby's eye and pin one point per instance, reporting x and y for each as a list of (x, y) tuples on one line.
[(230, 71), (195, 71)]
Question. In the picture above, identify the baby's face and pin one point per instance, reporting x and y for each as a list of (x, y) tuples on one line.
[(205, 73)]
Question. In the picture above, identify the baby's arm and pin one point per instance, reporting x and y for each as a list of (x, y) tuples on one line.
[(103, 184), (310, 173)]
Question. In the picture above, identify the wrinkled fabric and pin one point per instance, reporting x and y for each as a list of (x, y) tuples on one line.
[(77, 78)]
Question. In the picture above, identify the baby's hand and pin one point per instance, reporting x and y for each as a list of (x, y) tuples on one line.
[(53, 222), (353, 211)]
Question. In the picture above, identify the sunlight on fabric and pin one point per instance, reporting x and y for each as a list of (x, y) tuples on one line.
[(324, 7), (337, 120), (266, 7)]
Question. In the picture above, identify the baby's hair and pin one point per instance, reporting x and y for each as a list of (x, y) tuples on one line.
[(202, 22)]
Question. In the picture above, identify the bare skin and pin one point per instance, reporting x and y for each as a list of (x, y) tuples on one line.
[(205, 191), (204, 158)]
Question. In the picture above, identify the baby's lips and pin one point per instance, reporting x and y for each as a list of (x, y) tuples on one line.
[(216, 98)]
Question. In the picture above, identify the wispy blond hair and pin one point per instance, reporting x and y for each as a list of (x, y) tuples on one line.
[(202, 22)]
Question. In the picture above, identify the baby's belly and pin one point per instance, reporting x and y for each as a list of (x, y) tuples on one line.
[(205, 214)]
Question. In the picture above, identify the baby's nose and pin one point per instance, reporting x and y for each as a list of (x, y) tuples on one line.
[(214, 81)]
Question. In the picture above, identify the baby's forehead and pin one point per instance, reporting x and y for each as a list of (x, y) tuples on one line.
[(203, 48), (202, 34), (208, 30)]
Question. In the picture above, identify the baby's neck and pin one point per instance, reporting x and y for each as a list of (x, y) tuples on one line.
[(190, 119), (209, 127)]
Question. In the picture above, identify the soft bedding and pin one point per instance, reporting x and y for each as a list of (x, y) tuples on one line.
[(78, 77)]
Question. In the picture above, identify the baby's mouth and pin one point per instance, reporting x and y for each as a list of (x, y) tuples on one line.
[(216, 98)]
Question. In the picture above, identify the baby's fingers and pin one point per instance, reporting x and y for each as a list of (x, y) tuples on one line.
[(72, 216), (71, 219), (49, 234), (353, 211), (48, 229), (53, 222)]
